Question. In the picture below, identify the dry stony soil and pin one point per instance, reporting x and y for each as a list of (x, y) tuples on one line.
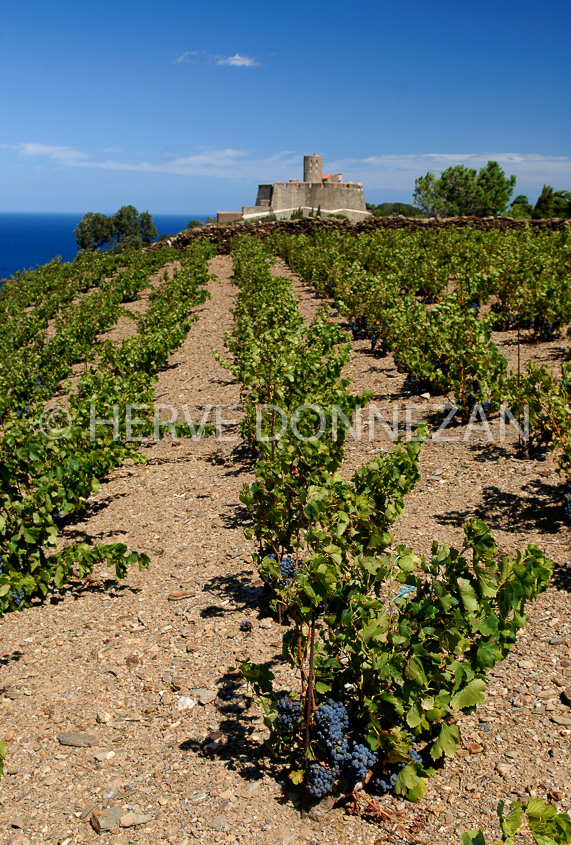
[(115, 665)]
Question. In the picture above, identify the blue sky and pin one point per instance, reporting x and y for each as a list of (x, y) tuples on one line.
[(183, 107)]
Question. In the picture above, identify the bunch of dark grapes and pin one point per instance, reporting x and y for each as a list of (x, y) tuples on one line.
[(415, 756), (18, 597), (381, 785), (359, 761), (474, 306), (345, 756), (543, 330), (360, 328), (332, 722), (246, 626), (288, 568), (506, 320), (320, 779), (473, 400), (383, 782), (289, 712)]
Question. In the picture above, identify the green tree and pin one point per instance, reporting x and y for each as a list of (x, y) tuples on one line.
[(459, 189), (563, 203), (462, 190), (147, 228), (126, 228), (427, 197), (521, 207), (552, 203), (389, 209), (495, 190), (93, 231), (545, 206)]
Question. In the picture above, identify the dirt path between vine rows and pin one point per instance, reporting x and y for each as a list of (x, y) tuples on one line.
[(119, 663)]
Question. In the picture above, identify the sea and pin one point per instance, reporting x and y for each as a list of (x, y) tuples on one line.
[(28, 239)]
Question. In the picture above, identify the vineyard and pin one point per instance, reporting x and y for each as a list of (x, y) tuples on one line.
[(330, 475)]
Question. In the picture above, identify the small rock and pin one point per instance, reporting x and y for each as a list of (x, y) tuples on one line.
[(100, 756), (111, 669), (475, 748), (17, 823), (558, 640), (85, 812), (185, 703), (425, 395), (12, 694), (218, 822), (198, 797), (525, 664), (564, 721), (266, 623), (182, 594), (205, 696), (103, 718), (77, 739), (503, 769), (250, 790), (107, 819), (214, 736), (133, 819)]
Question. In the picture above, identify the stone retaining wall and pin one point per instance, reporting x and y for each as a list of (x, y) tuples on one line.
[(223, 234)]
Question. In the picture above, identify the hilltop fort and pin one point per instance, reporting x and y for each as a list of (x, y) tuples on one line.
[(318, 191)]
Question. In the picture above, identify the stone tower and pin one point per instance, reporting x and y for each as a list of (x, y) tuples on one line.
[(313, 168)]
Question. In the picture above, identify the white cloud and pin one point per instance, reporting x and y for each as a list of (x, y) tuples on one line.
[(187, 56), (398, 172), (376, 172), (65, 155), (225, 163), (237, 61), (190, 56)]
